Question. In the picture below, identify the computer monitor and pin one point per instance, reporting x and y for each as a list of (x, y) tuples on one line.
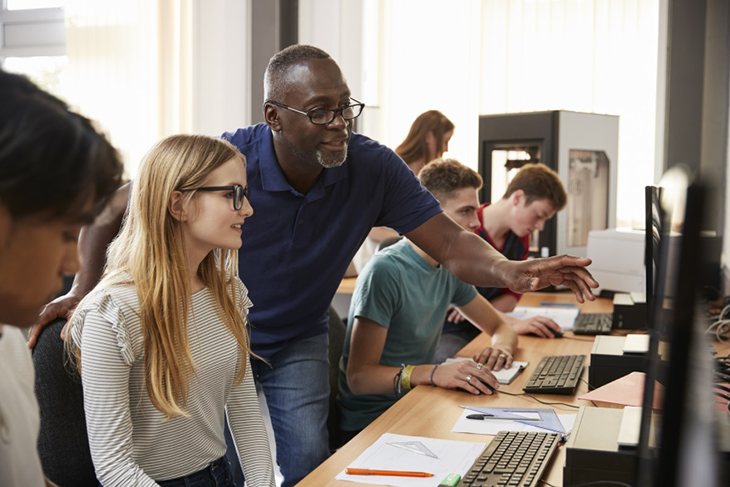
[(673, 335)]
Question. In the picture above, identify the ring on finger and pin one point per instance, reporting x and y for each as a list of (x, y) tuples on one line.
[(468, 378), (501, 355), (479, 366)]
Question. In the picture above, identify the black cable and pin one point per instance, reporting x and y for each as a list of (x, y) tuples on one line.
[(722, 377), (722, 395), (538, 400)]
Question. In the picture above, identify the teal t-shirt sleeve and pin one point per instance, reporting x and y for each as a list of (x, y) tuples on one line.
[(463, 293), (376, 295)]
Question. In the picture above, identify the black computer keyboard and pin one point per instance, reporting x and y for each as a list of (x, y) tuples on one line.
[(593, 324), (557, 374), (512, 459)]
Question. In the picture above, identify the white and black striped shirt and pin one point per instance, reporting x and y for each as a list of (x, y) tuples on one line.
[(131, 442)]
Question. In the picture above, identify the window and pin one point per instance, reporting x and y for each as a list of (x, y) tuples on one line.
[(33, 4), (504, 56), (33, 41)]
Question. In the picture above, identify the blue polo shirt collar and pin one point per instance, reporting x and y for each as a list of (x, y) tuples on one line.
[(272, 177)]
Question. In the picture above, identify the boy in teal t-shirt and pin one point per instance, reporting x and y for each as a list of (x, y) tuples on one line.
[(398, 310)]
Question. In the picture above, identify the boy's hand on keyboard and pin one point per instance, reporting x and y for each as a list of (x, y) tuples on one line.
[(467, 375), (494, 358), (537, 325)]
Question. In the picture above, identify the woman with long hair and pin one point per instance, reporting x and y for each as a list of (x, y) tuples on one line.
[(427, 140), (162, 341)]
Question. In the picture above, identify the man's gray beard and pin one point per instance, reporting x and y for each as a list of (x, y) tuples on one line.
[(330, 164)]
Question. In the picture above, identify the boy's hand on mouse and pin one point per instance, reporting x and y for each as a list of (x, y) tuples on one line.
[(467, 375), (537, 325), (494, 358)]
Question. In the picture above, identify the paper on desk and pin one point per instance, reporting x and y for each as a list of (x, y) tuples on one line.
[(625, 391), (494, 426), (453, 457), (562, 315), (504, 376)]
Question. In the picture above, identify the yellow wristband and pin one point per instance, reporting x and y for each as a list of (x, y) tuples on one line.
[(406, 377)]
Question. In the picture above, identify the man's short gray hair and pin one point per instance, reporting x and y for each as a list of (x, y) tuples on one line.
[(280, 63)]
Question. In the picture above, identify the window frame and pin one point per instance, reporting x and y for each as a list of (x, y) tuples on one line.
[(25, 26)]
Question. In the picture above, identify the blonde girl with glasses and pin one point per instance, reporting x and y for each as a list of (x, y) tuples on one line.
[(162, 342)]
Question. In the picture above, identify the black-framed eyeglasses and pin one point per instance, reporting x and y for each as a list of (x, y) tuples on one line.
[(323, 116), (238, 191)]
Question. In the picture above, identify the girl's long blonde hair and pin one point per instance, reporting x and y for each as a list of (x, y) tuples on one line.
[(150, 249)]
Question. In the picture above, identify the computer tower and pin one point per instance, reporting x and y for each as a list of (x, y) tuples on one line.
[(581, 147)]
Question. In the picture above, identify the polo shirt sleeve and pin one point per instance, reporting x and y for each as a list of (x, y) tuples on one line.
[(377, 293), (463, 293), (406, 204)]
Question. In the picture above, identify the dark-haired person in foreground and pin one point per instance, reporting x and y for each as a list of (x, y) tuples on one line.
[(56, 173), (317, 190)]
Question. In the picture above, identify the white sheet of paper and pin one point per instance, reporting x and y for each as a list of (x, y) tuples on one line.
[(504, 376), (453, 457), (562, 315), (494, 426)]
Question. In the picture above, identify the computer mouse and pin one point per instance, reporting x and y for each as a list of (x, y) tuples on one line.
[(556, 334), (492, 389)]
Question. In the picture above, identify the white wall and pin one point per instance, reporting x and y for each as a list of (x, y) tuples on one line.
[(221, 56), (337, 27)]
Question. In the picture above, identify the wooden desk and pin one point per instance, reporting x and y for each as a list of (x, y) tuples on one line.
[(432, 411), (347, 286)]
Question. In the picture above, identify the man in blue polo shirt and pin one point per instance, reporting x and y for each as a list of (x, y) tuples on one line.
[(317, 190)]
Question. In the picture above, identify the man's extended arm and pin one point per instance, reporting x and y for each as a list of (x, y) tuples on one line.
[(473, 260), (93, 242)]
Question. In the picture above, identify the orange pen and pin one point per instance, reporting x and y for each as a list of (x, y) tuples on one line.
[(394, 473)]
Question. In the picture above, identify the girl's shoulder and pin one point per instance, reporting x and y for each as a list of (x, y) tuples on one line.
[(241, 293), (120, 297), (114, 307)]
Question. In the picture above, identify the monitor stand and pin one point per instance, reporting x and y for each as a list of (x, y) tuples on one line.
[(609, 362), (593, 452)]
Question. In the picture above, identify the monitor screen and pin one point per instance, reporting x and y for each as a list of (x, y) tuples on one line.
[(674, 338)]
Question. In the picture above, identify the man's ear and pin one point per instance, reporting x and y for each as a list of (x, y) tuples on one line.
[(176, 206), (271, 116), (517, 197)]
